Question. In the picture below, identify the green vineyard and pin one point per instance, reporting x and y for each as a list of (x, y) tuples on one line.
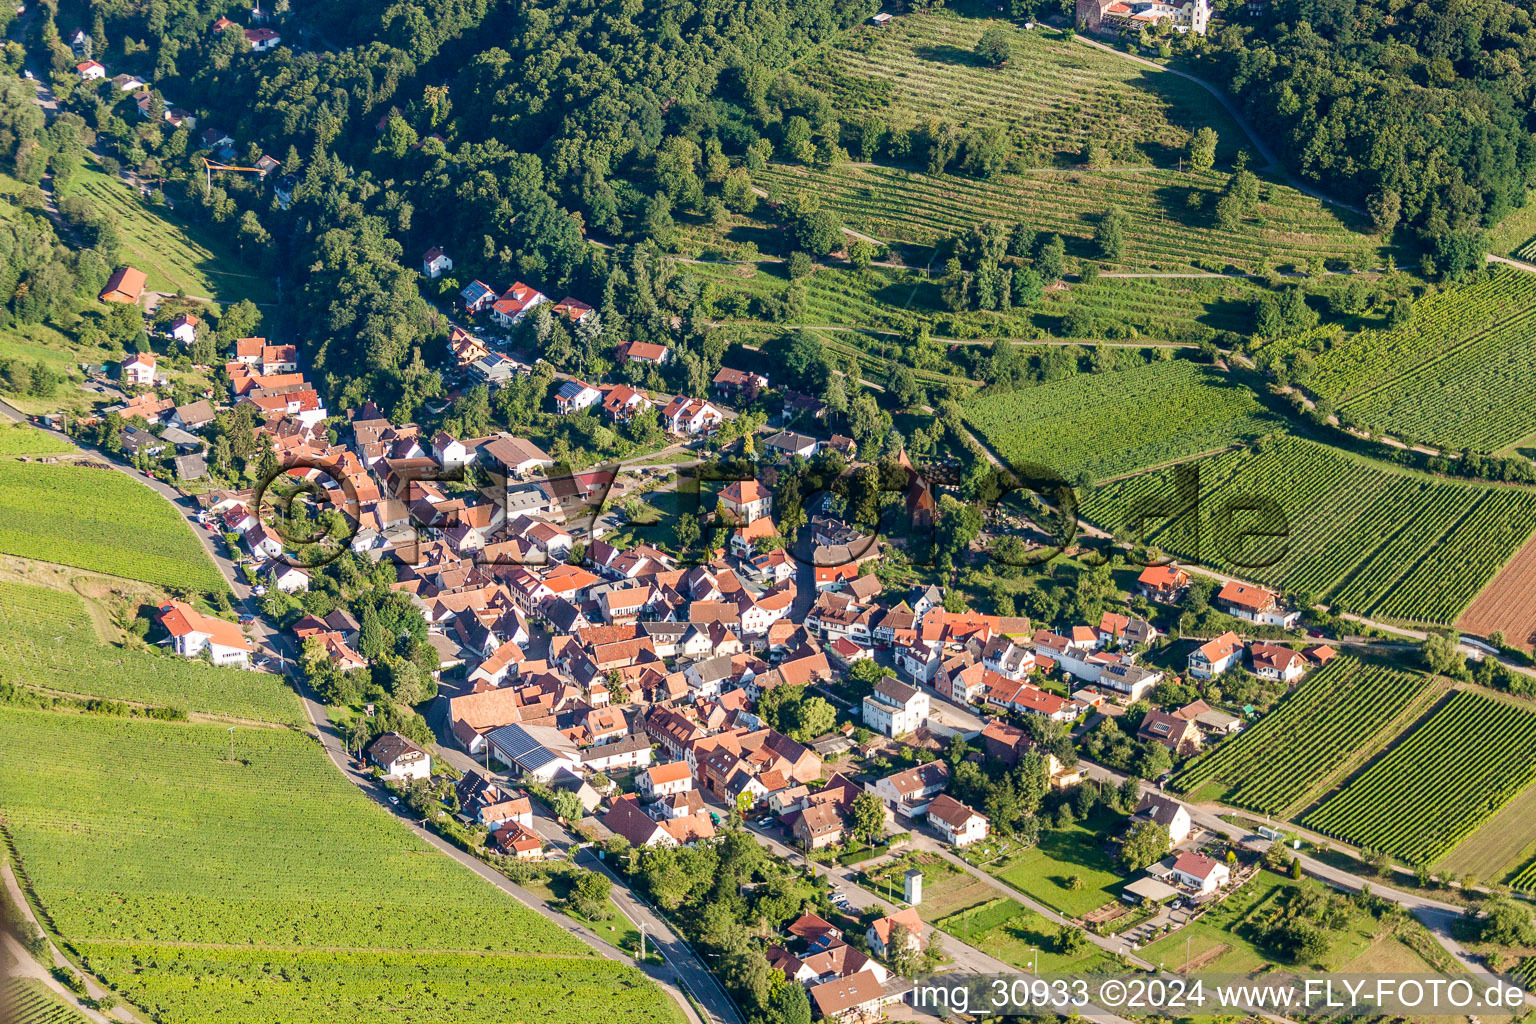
[(50, 643), (21, 439), (1111, 423), (1274, 763), (1052, 98), (1456, 376), (239, 877), (76, 515), (1436, 786), (1368, 538), (901, 206), (28, 1001)]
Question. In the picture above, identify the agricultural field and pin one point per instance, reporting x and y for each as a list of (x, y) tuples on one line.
[(174, 256), (29, 1001), (1309, 738), (1455, 376), (74, 515), (20, 439), (1364, 536), (1508, 604), (1474, 753), (272, 889), (918, 210), (50, 643), (1053, 97), (1175, 310), (1105, 424)]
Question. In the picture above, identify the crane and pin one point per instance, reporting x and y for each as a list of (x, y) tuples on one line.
[(209, 167)]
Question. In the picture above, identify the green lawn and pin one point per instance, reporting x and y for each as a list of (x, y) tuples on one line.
[(612, 926), (192, 258), (268, 888), (1045, 871), (1105, 424), (1013, 933), (75, 515)]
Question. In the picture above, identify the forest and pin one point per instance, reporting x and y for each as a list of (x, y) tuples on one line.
[(1419, 112)]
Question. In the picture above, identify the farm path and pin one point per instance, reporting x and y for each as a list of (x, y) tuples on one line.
[(93, 988)]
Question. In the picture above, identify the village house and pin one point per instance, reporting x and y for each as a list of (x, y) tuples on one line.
[(1162, 583), (1255, 604), (643, 352), (1200, 873), (816, 826), (880, 932), (192, 633), (125, 285), (895, 708), (183, 328), (1179, 735), (139, 369), (1170, 814), (956, 823), (399, 758), (908, 793), (1214, 657), (435, 263), (515, 303), (1275, 662)]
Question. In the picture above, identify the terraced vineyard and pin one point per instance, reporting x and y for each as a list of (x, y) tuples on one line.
[(1274, 763), (1183, 310), (1456, 376), (271, 890), (1435, 787), (74, 515), (49, 642), (1370, 538), (1104, 424), (918, 209), (28, 1001), (1052, 97)]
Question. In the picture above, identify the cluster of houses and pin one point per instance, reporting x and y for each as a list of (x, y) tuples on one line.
[(841, 982)]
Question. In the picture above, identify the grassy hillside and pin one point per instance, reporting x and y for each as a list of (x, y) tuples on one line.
[(1165, 234), (175, 256), (1053, 96), (273, 890), (51, 644), (80, 516)]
